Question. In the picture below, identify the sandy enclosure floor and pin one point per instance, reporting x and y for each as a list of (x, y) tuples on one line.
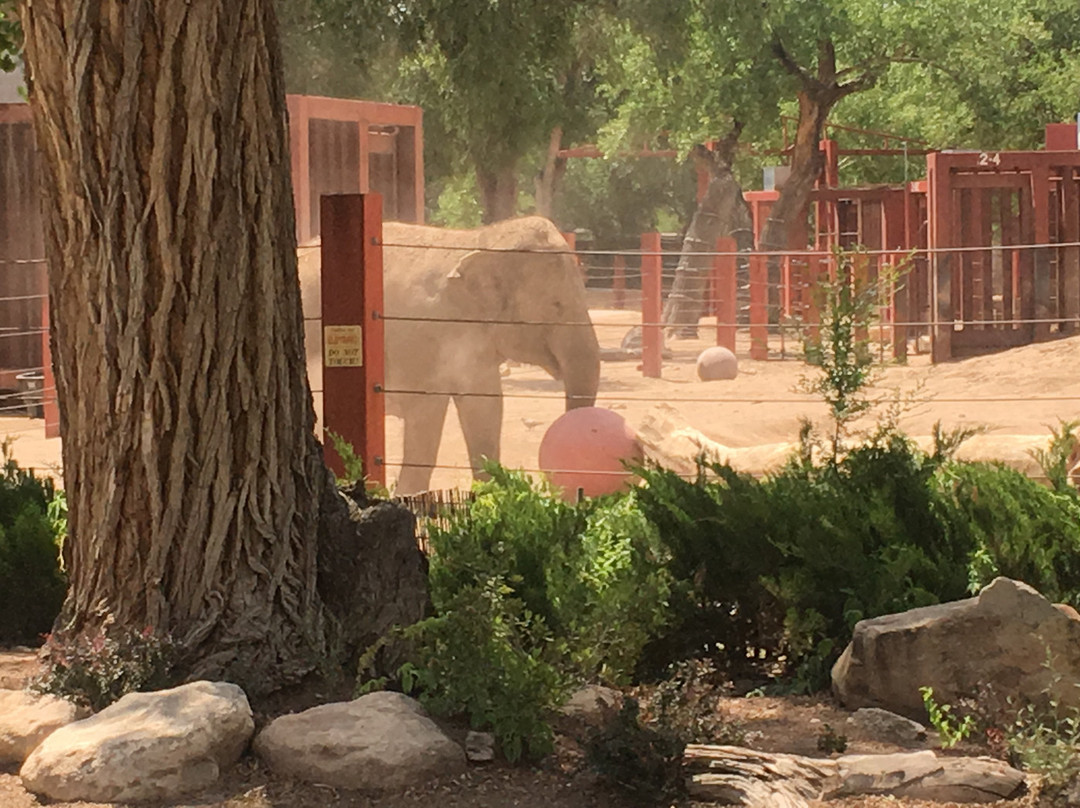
[(1015, 395)]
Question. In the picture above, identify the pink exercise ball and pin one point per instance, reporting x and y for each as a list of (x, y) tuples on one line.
[(715, 364), (585, 449)]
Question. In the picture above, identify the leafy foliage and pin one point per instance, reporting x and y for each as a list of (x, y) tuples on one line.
[(686, 704), (1017, 527), (32, 585), (1048, 742), (10, 36), (830, 741), (780, 569), (950, 729), (532, 594)]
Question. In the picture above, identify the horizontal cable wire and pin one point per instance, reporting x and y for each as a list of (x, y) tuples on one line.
[(740, 324), (11, 298), (683, 475), (931, 399), (737, 253)]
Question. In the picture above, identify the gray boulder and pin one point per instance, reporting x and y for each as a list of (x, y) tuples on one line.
[(147, 746), (881, 725), (27, 719), (1009, 636), (592, 704), (379, 743)]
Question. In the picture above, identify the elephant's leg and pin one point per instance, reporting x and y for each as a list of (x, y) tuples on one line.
[(423, 416), (481, 423)]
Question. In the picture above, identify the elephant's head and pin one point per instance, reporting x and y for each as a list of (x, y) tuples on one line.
[(535, 288)]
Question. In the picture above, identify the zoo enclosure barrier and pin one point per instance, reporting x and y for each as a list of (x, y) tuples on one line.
[(996, 299)]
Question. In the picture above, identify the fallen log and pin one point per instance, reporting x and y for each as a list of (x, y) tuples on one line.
[(734, 775)]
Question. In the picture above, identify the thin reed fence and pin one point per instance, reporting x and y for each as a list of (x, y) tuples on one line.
[(435, 509)]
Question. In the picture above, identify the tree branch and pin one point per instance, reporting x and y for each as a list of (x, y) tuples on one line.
[(789, 64)]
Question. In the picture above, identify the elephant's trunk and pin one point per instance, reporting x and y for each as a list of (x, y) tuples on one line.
[(579, 366)]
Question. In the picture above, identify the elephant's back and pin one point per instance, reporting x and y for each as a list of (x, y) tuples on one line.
[(418, 259), (525, 233)]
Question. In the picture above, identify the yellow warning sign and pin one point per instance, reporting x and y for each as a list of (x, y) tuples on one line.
[(343, 346)]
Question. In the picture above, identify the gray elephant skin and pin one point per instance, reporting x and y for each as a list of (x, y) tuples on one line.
[(508, 291)]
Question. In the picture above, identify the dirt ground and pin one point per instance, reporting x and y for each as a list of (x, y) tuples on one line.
[(771, 724), (752, 420)]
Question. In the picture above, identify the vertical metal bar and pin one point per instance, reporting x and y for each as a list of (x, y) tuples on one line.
[(939, 199), (1070, 259), (618, 282), (901, 309), (353, 340), (651, 306), (1043, 280), (1009, 259), (814, 268), (986, 269), (759, 299), (1027, 287), (968, 211)]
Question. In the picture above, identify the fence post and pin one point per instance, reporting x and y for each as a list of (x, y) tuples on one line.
[(725, 287), (353, 353), (652, 337), (901, 309), (618, 282), (50, 409), (759, 306), (816, 266)]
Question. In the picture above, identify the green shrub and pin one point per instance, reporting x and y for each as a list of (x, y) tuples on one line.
[(642, 763), (780, 569), (32, 585), (1017, 527), (532, 594)]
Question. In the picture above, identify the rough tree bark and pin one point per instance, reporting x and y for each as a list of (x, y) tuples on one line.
[(722, 213), (498, 192), (197, 492)]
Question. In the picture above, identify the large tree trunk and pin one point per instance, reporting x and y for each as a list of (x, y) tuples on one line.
[(819, 92), (721, 213), (498, 192), (807, 162), (195, 483), (547, 181)]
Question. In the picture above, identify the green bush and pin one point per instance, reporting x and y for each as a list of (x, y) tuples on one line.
[(780, 569), (1018, 528), (532, 595), (32, 585)]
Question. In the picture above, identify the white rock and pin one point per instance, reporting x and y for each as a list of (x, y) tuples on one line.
[(27, 719), (480, 747), (381, 742), (146, 746)]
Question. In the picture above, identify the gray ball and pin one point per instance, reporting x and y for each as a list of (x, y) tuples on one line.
[(714, 364)]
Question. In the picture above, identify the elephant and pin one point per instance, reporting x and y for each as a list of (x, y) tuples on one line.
[(470, 300)]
